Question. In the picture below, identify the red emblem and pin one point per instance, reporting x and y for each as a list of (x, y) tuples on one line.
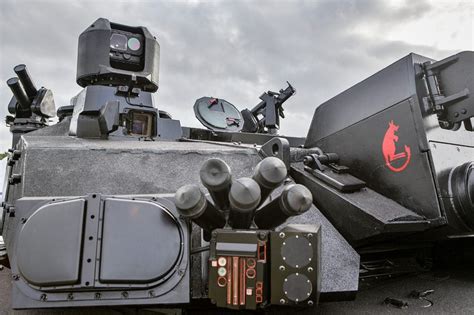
[(389, 149)]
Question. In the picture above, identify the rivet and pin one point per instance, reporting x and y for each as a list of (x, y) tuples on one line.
[(43, 297), (70, 296), (310, 303), (282, 235), (151, 293), (282, 301), (310, 269), (97, 296), (125, 294), (282, 268)]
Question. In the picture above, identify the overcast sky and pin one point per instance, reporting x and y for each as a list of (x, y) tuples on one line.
[(237, 49)]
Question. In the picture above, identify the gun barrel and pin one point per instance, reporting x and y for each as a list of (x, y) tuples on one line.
[(269, 174), (216, 177), (25, 80), (19, 93), (244, 197), (192, 204), (285, 94), (294, 200)]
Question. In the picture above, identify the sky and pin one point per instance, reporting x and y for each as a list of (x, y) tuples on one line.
[(236, 49)]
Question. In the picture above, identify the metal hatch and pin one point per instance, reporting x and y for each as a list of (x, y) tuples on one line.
[(218, 114)]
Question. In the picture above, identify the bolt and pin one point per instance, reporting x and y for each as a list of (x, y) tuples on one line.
[(97, 296), (310, 303), (125, 294), (180, 272), (151, 293), (262, 235), (282, 301), (23, 220), (310, 235), (43, 297), (282, 235), (282, 268), (463, 111), (310, 269), (16, 277), (70, 296)]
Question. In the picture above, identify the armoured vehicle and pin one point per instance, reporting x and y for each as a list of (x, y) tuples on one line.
[(117, 204)]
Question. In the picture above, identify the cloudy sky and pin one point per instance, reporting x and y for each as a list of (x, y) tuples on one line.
[(237, 49)]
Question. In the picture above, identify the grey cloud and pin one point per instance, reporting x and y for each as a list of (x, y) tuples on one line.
[(230, 49)]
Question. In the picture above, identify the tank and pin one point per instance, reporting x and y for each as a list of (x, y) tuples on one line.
[(118, 205)]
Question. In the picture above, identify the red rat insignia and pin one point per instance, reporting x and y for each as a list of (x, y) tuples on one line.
[(389, 148)]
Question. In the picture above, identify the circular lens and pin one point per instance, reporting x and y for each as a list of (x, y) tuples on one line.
[(133, 43)]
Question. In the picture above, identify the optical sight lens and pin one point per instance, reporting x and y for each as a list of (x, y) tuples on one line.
[(118, 41), (134, 44)]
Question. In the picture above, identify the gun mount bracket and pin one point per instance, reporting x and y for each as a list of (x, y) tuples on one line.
[(277, 147)]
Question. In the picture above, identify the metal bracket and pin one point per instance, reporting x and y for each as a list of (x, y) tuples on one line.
[(277, 147)]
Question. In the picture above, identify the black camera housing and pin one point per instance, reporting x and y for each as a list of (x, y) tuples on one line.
[(100, 63)]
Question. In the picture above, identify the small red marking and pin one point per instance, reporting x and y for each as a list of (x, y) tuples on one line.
[(389, 149)]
